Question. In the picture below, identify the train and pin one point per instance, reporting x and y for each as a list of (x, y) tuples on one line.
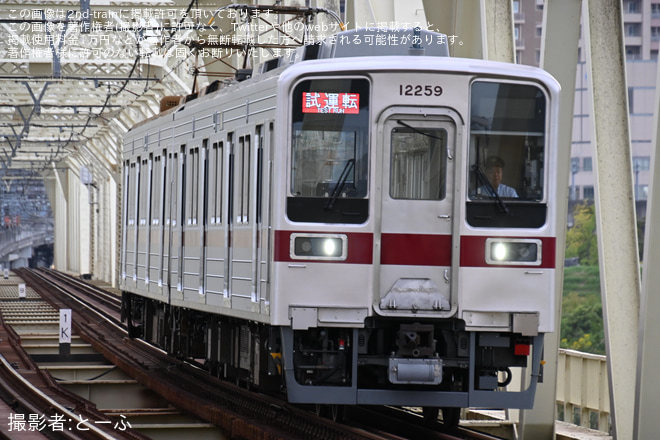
[(351, 224)]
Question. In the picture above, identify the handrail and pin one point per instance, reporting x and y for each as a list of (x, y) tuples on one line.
[(583, 390)]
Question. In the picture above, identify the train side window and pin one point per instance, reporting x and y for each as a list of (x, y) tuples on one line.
[(192, 185), (215, 182), (418, 163), (164, 186), (176, 196), (204, 183), (131, 190), (259, 139), (242, 186), (231, 164), (507, 152), (144, 202), (156, 189)]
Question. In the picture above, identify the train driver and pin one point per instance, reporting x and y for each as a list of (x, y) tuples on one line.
[(495, 172)]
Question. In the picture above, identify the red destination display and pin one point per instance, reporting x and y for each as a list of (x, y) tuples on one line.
[(320, 102)]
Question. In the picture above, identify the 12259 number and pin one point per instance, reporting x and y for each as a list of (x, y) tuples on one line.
[(419, 90)]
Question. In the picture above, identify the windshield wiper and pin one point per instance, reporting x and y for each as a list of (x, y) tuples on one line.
[(340, 183), (486, 183), (418, 131)]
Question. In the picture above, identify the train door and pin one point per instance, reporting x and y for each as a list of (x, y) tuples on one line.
[(417, 213)]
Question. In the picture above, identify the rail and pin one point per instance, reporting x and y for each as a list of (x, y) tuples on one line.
[(582, 389)]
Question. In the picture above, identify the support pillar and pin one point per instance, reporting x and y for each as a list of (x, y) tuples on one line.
[(461, 19), (615, 207), (481, 29), (647, 407), (559, 56)]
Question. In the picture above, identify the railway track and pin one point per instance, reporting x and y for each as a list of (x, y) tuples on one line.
[(239, 413), (32, 402)]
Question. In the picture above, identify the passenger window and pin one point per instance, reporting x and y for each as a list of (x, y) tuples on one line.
[(216, 182), (156, 190), (143, 200), (242, 186)]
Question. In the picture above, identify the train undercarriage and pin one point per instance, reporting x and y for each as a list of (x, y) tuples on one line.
[(432, 364)]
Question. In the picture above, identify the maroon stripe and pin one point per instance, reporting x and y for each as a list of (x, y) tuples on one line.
[(473, 252), (416, 249)]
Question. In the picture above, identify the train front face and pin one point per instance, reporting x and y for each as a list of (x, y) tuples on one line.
[(404, 272)]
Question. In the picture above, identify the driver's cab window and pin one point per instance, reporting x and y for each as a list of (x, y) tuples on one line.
[(507, 142), (329, 151)]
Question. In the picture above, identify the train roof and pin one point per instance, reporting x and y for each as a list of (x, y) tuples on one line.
[(377, 46)]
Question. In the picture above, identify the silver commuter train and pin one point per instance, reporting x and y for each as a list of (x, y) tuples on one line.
[(331, 226)]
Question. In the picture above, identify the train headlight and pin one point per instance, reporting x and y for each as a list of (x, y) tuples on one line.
[(513, 251), (318, 246)]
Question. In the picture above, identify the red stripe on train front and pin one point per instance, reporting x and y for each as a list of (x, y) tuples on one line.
[(473, 252), (416, 249), (396, 249)]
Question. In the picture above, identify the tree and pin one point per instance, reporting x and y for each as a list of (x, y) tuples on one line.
[(581, 240), (582, 324)]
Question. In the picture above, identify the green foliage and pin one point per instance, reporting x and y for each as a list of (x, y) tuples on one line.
[(582, 311), (581, 239)]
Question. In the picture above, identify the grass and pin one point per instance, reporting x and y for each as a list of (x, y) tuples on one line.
[(582, 280)]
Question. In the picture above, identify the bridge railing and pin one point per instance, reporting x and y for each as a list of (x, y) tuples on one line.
[(12, 240), (583, 390)]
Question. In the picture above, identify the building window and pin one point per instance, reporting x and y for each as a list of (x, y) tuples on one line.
[(655, 33), (516, 32), (654, 54), (516, 7), (633, 29), (539, 31), (633, 52), (655, 10), (632, 7), (641, 163), (587, 164), (588, 192)]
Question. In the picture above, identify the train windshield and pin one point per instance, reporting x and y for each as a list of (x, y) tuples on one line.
[(507, 151), (329, 150)]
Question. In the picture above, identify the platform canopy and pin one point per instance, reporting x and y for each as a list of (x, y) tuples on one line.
[(76, 75)]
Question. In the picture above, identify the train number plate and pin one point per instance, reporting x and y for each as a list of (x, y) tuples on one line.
[(419, 90)]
